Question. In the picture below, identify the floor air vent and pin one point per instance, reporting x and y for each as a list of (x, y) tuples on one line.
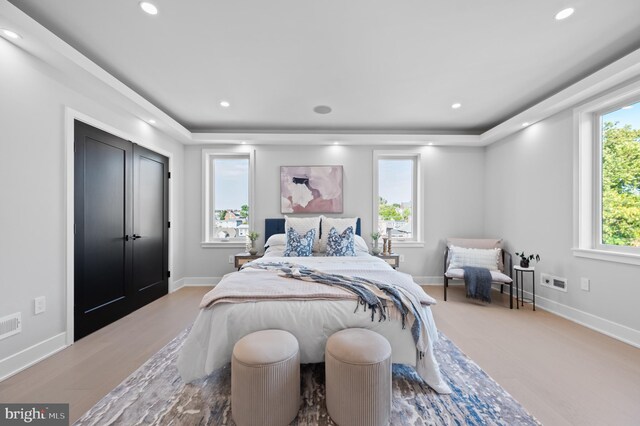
[(10, 325)]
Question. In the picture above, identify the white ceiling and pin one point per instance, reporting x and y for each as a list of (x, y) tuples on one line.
[(382, 66)]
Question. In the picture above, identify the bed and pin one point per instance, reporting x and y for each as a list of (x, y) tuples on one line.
[(310, 319)]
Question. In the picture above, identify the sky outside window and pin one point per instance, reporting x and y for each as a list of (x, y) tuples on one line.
[(395, 180), (231, 183)]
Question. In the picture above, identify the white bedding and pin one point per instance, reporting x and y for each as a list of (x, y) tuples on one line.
[(216, 329)]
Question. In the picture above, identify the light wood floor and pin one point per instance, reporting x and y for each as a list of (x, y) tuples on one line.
[(89, 369), (563, 373)]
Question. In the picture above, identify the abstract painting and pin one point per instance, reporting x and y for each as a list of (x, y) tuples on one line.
[(311, 189)]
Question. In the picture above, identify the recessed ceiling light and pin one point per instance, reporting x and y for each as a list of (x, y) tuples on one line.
[(456, 105), (225, 104), (627, 107), (244, 142), (11, 34), (322, 109), (150, 8), (564, 13), (430, 143), (152, 121), (336, 143), (525, 124)]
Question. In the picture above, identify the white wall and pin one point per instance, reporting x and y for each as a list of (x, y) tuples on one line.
[(453, 191), (529, 200), (32, 190)]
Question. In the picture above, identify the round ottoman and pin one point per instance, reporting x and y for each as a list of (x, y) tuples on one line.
[(358, 378), (265, 379)]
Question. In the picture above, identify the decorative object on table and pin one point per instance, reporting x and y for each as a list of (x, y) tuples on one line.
[(208, 401), (375, 250), (385, 250), (311, 189), (389, 251), (253, 236), (525, 259)]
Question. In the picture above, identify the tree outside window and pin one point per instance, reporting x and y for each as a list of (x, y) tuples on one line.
[(620, 206)]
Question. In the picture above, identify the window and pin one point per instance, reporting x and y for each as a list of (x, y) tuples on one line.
[(619, 158), (227, 197), (396, 195), (608, 177)]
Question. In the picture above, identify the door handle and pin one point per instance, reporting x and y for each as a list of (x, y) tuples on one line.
[(135, 237), (126, 237)]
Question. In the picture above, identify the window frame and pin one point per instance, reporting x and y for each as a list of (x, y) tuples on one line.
[(418, 239), (208, 196), (588, 177)]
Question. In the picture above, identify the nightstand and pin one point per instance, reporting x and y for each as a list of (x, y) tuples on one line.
[(242, 258), (391, 259)]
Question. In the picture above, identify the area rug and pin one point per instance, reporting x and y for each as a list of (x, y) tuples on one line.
[(156, 395)]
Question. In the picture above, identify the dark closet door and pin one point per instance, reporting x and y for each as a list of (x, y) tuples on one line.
[(103, 217), (150, 225), (121, 240)]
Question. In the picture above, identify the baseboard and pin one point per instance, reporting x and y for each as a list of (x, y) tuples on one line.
[(15, 363), (176, 285), (200, 281), (428, 280), (612, 329)]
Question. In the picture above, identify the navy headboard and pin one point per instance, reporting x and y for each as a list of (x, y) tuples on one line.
[(276, 226)]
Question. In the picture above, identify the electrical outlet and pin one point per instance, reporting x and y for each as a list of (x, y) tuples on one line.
[(584, 283), (402, 258), (40, 305), (545, 279), (230, 258)]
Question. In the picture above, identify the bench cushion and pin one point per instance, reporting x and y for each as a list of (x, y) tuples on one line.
[(496, 276)]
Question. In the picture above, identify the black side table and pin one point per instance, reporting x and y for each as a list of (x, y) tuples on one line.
[(519, 272)]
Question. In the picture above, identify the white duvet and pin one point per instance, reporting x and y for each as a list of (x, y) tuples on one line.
[(217, 329)]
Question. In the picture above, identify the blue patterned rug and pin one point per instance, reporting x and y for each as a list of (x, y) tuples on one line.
[(155, 395)]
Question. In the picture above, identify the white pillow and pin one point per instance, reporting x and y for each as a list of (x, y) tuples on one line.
[(360, 244), (276, 240), (302, 225), (481, 258), (340, 223)]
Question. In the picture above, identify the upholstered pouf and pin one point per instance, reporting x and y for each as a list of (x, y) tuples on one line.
[(265, 379), (358, 378)]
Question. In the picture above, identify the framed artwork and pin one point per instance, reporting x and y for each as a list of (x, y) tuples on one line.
[(311, 189)]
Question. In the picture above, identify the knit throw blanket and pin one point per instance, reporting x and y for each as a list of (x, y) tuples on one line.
[(384, 300), (478, 283)]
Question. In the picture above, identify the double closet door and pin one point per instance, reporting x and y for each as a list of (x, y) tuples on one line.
[(121, 228)]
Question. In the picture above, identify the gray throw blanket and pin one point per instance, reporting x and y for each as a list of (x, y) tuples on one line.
[(478, 283)]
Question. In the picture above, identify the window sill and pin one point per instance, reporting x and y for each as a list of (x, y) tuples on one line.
[(609, 256), (408, 244), (223, 244)]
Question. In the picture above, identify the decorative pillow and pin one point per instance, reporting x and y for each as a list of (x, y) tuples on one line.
[(299, 246), (302, 225), (340, 223), (481, 258), (360, 244), (276, 240), (478, 243), (341, 244)]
